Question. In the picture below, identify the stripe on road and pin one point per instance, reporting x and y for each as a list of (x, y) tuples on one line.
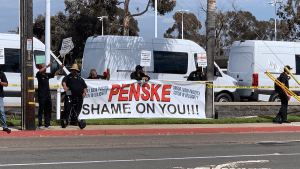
[(156, 159)]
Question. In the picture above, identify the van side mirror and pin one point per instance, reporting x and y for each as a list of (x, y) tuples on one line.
[(216, 71)]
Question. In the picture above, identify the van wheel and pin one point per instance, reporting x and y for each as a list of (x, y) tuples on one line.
[(223, 97), (275, 98)]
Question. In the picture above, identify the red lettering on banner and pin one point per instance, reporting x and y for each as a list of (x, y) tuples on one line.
[(147, 94), (165, 92), (113, 91), (123, 91), (135, 92), (154, 92)]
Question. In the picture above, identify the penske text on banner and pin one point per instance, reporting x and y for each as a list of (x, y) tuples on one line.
[(152, 99)]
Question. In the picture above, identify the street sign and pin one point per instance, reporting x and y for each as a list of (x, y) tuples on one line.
[(2, 58), (29, 44), (201, 59), (145, 58), (67, 46)]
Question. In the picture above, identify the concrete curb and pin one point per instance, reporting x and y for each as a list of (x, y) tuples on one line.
[(169, 131)]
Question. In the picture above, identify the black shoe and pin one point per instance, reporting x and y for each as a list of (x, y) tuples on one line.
[(286, 122), (276, 121), (7, 130)]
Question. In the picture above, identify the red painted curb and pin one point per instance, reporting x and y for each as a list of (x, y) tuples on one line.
[(171, 131), (274, 129), (297, 128), (52, 133)]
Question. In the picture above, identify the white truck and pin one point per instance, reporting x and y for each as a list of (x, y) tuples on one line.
[(10, 45), (250, 59), (171, 59)]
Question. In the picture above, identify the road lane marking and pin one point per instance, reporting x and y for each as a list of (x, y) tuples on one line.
[(154, 159), (237, 163)]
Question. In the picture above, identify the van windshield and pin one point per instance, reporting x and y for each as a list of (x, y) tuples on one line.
[(170, 62), (12, 61)]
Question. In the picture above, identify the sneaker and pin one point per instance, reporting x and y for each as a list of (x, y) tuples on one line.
[(286, 122), (7, 130), (41, 127), (49, 127)]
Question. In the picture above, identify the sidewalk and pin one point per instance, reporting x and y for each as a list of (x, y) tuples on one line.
[(159, 129)]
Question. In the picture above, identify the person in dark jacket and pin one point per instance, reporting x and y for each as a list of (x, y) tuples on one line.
[(138, 74), (281, 117), (3, 83), (94, 75), (197, 75), (44, 96), (78, 88)]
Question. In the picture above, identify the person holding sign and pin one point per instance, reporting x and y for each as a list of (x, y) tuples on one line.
[(284, 98), (138, 74), (197, 75), (44, 96), (78, 89), (94, 75)]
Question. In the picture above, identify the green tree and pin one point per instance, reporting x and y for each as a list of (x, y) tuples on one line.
[(191, 28), (163, 7), (289, 26), (80, 21)]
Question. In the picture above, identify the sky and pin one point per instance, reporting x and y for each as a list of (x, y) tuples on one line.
[(9, 12)]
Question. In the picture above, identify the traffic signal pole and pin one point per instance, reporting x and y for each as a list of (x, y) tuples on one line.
[(210, 44), (27, 77)]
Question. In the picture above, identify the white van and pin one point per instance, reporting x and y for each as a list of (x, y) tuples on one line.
[(250, 59), (171, 59), (13, 63)]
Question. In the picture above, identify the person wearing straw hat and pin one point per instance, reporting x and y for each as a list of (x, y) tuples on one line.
[(78, 88), (281, 117), (44, 96)]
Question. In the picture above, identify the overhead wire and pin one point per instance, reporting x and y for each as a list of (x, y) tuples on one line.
[(258, 66), (267, 73), (255, 32)]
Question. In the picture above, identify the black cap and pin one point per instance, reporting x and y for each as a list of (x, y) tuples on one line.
[(138, 67), (287, 66)]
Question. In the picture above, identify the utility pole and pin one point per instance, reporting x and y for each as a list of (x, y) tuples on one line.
[(210, 44), (27, 79)]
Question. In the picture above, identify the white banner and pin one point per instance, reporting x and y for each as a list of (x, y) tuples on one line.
[(152, 99)]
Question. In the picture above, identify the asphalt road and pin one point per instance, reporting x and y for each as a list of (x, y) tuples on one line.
[(265, 150)]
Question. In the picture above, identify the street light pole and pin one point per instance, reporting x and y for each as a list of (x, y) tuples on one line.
[(274, 3), (101, 19), (182, 21), (47, 34), (155, 33)]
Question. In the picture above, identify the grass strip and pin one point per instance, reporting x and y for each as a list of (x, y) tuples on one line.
[(262, 119)]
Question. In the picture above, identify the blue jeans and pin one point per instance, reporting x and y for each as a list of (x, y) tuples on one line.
[(2, 114)]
